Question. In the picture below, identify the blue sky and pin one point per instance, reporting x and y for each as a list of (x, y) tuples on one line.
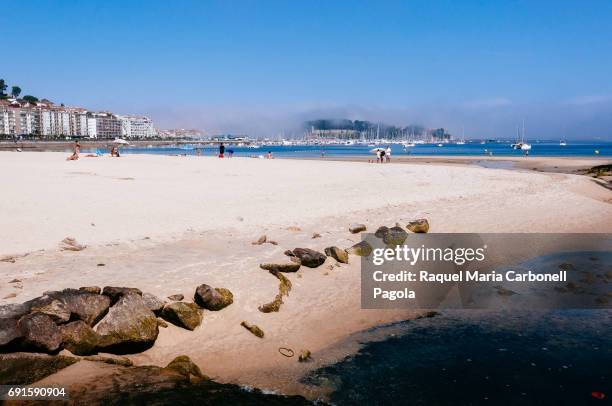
[(263, 66)]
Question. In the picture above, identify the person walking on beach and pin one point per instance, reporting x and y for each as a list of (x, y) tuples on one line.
[(382, 156), (388, 153), (221, 150)]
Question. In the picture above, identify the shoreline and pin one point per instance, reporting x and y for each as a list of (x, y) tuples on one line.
[(167, 224)]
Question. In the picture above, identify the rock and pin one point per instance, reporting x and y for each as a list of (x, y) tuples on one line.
[(362, 249), (177, 298), (272, 242), (71, 244), (14, 310), (112, 360), (260, 240), (154, 303), (282, 267), (338, 254), (213, 299), (418, 226), (86, 306), (9, 331), (309, 258), (23, 368), (15, 281), (395, 236), (316, 235), (381, 231), (357, 228), (305, 356), (115, 292), (39, 333), (255, 330), (294, 228), (128, 327), (187, 315), (10, 296), (162, 323), (91, 289), (284, 287), (79, 338), (184, 366), (53, 308), (273, 306)]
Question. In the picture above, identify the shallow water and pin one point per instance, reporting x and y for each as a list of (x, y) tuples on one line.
[(465, 358), (311, 151)]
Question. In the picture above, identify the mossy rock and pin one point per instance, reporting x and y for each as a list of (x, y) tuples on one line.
[(182, 314), (418, 226), (255, 330), (362, 249), (79, 338), (213, 298), (395, 236), (290, 266), (24, 368), (184, 366), (338, 254)]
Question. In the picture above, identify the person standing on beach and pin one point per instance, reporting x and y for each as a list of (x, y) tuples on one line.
[(382, 156), (388, 153), (378, 156), (221, 150)]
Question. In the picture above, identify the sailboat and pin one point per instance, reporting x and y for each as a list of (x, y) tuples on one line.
[(521, 144), (462, 140)]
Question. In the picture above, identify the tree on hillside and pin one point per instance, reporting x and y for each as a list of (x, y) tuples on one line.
[(15, 91), (2, 89), (30, 99)]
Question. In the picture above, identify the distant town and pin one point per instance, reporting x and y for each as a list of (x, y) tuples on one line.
[(29, 118)]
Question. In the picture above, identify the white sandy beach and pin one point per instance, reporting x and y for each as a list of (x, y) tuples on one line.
[(167, 224)]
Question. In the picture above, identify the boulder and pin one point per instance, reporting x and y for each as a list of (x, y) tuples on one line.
[(115, 292), (177, 298), (9, 332), (14, 310), (56, 309), (184, 366), (23, 368), (362, 249), (381, 231), (395, 236), (182, 314), (79, 338), (418, 226), (91, 289), (281, 267), (85, 306), (154, 303), (309, 258), (255, 330), (338, 254), (213, 298), (357, 228), (129, 326), (39, 333)]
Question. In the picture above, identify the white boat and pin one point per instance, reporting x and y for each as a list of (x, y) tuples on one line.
[(562, 143), (440, 145)]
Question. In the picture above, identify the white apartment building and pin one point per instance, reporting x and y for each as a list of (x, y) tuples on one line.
[(137, 127)]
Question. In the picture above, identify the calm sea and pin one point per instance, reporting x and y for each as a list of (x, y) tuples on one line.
[(585, 149)]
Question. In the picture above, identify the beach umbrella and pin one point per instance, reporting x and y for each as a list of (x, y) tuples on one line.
[(120, 141), (375, 150)]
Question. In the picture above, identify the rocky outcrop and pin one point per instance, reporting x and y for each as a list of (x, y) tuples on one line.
[(255, 330), (9, 332), (186, 315), (418, 226), (395, 236), (282, 267), (128, 327), (56, 309), (79, 338), (112, 360), (309, 258), (14, 310), (23, 368), (115, 292), (39, 333), (357, 228), (213, 298), (184, 366), (91, 289), (85, 306), (338, 254), (362, 249), (154, 303)]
